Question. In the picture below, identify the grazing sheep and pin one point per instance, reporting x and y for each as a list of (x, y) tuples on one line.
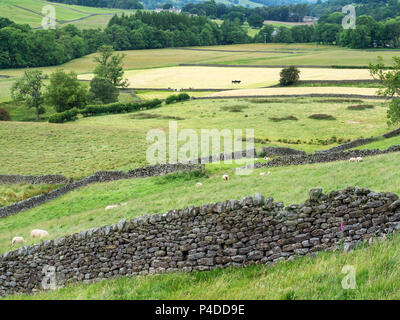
[(359, 159), (17, 240), (113, 206), (352, 159), (199, 184), (37, 233), (262, 173), (266, 158), (225, 177)]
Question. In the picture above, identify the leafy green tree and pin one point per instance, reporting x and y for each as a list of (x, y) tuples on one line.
[(110, 66), (28, 88), (265, 34), (284, 35), (65, 91), (255, 20), (289, 76), (102, 91), (390, 79)]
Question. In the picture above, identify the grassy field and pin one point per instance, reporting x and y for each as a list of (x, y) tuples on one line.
[(285, 24), (84, 208), (158, 94), (221, 78), (319, 277), (30, 12), (158, 67), (18, 192), (119, 141), (294, 91), (381, 143), (269, 54)]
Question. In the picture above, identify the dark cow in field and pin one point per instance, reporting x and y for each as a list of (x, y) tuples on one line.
[(236, 81)]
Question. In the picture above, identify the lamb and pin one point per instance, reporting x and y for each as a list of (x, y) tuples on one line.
[(17, 240), (199, 184), (37, 233), (113, 206), (225, 177)]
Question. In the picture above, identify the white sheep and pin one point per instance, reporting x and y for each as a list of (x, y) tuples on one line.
[(199, 184), (353, 160), (262, 173), (113, 206), (17, 240), (225, 177), (359, 159), (266, 158), (37, 233)]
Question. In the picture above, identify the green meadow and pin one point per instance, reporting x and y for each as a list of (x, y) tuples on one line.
[(114, 142)]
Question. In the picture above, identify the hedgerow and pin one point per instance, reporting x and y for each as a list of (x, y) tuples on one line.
[(112, 108), (118, 107), (177, 98), (65, 116)]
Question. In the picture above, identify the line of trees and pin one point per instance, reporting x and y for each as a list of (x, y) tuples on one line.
[(369, 33), (66, 93), (213, 10), (21, 46)]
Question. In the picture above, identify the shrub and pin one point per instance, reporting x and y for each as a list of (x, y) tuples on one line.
[(65, 116), (177, 98), (289, 76), (321, 116), (360, 107), (171, 99), (339, 100), (236, 108), (103, 90), (283, 118), (4, 115), (183, 97)]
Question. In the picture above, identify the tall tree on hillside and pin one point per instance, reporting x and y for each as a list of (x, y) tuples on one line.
[(110, 66), (390, 79), (29, 89), (65, 91)]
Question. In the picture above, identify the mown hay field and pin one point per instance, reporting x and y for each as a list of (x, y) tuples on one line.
[(295, 91), (221, 77), (296, 54)]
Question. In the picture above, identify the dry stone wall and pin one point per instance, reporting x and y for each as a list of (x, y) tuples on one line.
[(280, 151), (101, 176), (46, 179), (234, 233), (321, 157)]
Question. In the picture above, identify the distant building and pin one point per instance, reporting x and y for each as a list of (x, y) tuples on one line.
[(173, 10), (310, 19)]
